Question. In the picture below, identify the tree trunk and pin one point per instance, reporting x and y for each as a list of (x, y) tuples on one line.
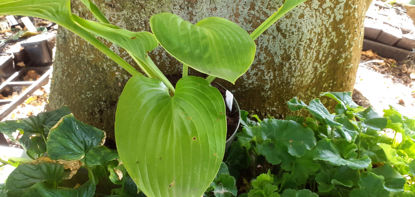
[(315, 48)]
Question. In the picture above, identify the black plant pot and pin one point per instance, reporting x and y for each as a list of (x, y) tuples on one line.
[(233, 114)]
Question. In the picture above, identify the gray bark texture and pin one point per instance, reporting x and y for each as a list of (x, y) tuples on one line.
[(315, 48)]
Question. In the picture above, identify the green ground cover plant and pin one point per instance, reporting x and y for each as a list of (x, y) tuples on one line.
[(352, 152)]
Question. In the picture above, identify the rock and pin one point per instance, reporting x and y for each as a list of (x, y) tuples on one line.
[(6, 66), (407, 42), (385, 50), (401, 102), (390, 35), (372, 28)]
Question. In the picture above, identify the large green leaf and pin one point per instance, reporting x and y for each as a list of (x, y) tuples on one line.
[(331, 178), (300, 170), (214, 46), (99, 155), (25, 176), (327, 151), (85, 190), (320, 112), (370, 184), (294, 104), (171, 145), (394, 182), (343, 98), (71, 139), (296, 138)]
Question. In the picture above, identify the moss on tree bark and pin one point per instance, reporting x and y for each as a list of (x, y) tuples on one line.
[(315, 48)]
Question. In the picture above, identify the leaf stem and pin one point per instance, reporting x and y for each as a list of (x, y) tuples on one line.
[(210, 79), (185, 71), (285, 8), (78, 29), (104, 49), (4, 162), (266, 24), (91, 175), (394, 139)]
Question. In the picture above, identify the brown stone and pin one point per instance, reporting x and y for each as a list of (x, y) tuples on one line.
[(373, 28), (407, 42), (386, 50), (390, 35)]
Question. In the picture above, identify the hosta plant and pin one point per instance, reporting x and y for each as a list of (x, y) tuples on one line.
[(170, 139)]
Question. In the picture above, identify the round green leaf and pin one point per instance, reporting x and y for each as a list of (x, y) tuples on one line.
[(327, 151), (214, 46), (71, 139), (171, 145)]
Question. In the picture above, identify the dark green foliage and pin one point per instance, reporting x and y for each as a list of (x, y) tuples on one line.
[(68, 146), (34, 130)]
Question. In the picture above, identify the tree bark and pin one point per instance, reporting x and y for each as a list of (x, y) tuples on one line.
[(315, 48)]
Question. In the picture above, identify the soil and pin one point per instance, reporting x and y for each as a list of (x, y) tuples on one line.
[(232, 117), (399, 72), (383, 82)]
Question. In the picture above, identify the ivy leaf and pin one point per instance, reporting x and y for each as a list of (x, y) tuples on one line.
[(214, 46), (296, 138), (263, 186), (71, 139), (21, 180), (318, 111), (298, 193), (370, 184), (294, 104), (326, 151), (394, 182)]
